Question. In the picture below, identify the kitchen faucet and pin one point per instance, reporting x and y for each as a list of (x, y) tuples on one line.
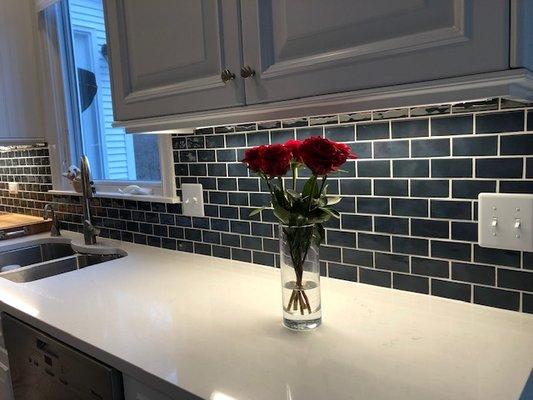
[(88, 191), (48, 212)]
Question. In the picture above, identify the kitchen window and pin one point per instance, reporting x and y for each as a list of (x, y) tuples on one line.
[(75, 53)]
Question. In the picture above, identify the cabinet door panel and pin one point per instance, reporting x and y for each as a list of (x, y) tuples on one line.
[(302, 48), (21, 117), (167, 56)]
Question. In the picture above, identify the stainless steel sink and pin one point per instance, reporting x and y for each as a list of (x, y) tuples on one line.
[(56, 267), (31, 262), (33, 254)]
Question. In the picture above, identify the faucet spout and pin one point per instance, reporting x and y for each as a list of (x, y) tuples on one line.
[(48, 212), (87, 187)]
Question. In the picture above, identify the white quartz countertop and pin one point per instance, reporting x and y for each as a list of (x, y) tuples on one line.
[(212, 327)]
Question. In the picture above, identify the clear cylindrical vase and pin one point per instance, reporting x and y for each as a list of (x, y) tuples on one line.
[(300, 277)]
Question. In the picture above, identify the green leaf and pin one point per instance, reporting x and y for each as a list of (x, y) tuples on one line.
[(330, 211), (293, 193), (310, 187), (256, 211), (279, 196), (320, 220), (331, 200), (319, 234), (300, 206), (282, 214), (297, 219), (319, 216)]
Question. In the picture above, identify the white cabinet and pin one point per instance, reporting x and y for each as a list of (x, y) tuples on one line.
[(167, 56), (302, 48), (21, 118)]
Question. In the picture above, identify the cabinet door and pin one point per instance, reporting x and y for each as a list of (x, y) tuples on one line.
[(301, 48), (167, 56), (21, 118)]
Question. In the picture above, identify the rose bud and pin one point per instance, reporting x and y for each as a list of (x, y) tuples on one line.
[(320, 155), (276, 160), (294, 147), (253, 158)]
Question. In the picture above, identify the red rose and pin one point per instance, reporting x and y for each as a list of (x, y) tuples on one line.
[(345, 152), (253, 158), (322, 156), (276, 160), (294, 147)]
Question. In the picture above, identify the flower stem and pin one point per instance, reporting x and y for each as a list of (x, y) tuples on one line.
[(268, 184), (323, 184), (298, 247), (310, 200), (294, 168), (306, 299)]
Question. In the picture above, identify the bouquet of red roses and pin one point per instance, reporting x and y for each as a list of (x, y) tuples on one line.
[(310, 207)]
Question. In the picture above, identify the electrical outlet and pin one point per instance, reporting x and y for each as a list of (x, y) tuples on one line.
[(13, 187), (192, 199), (506, 221)]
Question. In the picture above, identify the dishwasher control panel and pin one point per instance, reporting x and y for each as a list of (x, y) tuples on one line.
[(41, 364)]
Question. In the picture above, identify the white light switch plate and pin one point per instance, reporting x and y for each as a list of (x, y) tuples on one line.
[(192, 199), (13, 187), (506, 221)]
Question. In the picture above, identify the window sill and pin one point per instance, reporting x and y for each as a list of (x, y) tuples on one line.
[(111, 195)]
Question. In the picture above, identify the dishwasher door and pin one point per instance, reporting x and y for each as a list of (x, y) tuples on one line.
[(42, 368)]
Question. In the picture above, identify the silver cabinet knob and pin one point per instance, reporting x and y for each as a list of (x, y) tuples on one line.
[(247, 72), (226, 75)]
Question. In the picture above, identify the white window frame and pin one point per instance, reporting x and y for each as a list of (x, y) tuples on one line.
[(61, 128)]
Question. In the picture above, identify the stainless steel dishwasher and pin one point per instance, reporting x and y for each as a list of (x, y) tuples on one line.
[(43, 368)]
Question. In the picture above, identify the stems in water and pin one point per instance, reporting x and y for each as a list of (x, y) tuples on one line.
[(299, 241)]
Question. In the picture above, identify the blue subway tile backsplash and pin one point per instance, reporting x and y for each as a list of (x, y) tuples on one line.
[(408, 209)]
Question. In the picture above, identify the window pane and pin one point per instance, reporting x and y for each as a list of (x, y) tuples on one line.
[(113, 154), (147, 165)]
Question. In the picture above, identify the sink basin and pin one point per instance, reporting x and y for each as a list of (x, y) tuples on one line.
[(56, 267), (33, 254), (31, 262)]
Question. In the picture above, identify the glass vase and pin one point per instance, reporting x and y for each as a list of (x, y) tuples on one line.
[(300, 277)]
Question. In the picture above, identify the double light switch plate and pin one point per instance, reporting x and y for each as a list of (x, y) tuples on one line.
[(505, 221)]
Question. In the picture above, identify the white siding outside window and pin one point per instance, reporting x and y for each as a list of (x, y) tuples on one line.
[(111, 146)]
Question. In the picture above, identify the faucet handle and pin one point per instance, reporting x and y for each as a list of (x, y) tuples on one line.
[(48, 209), (49, 213)]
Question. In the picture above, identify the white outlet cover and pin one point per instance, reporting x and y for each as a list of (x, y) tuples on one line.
[(506, 221), (192, 198), (13, 187)]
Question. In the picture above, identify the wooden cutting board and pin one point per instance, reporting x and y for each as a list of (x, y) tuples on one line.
[(13, 221)]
